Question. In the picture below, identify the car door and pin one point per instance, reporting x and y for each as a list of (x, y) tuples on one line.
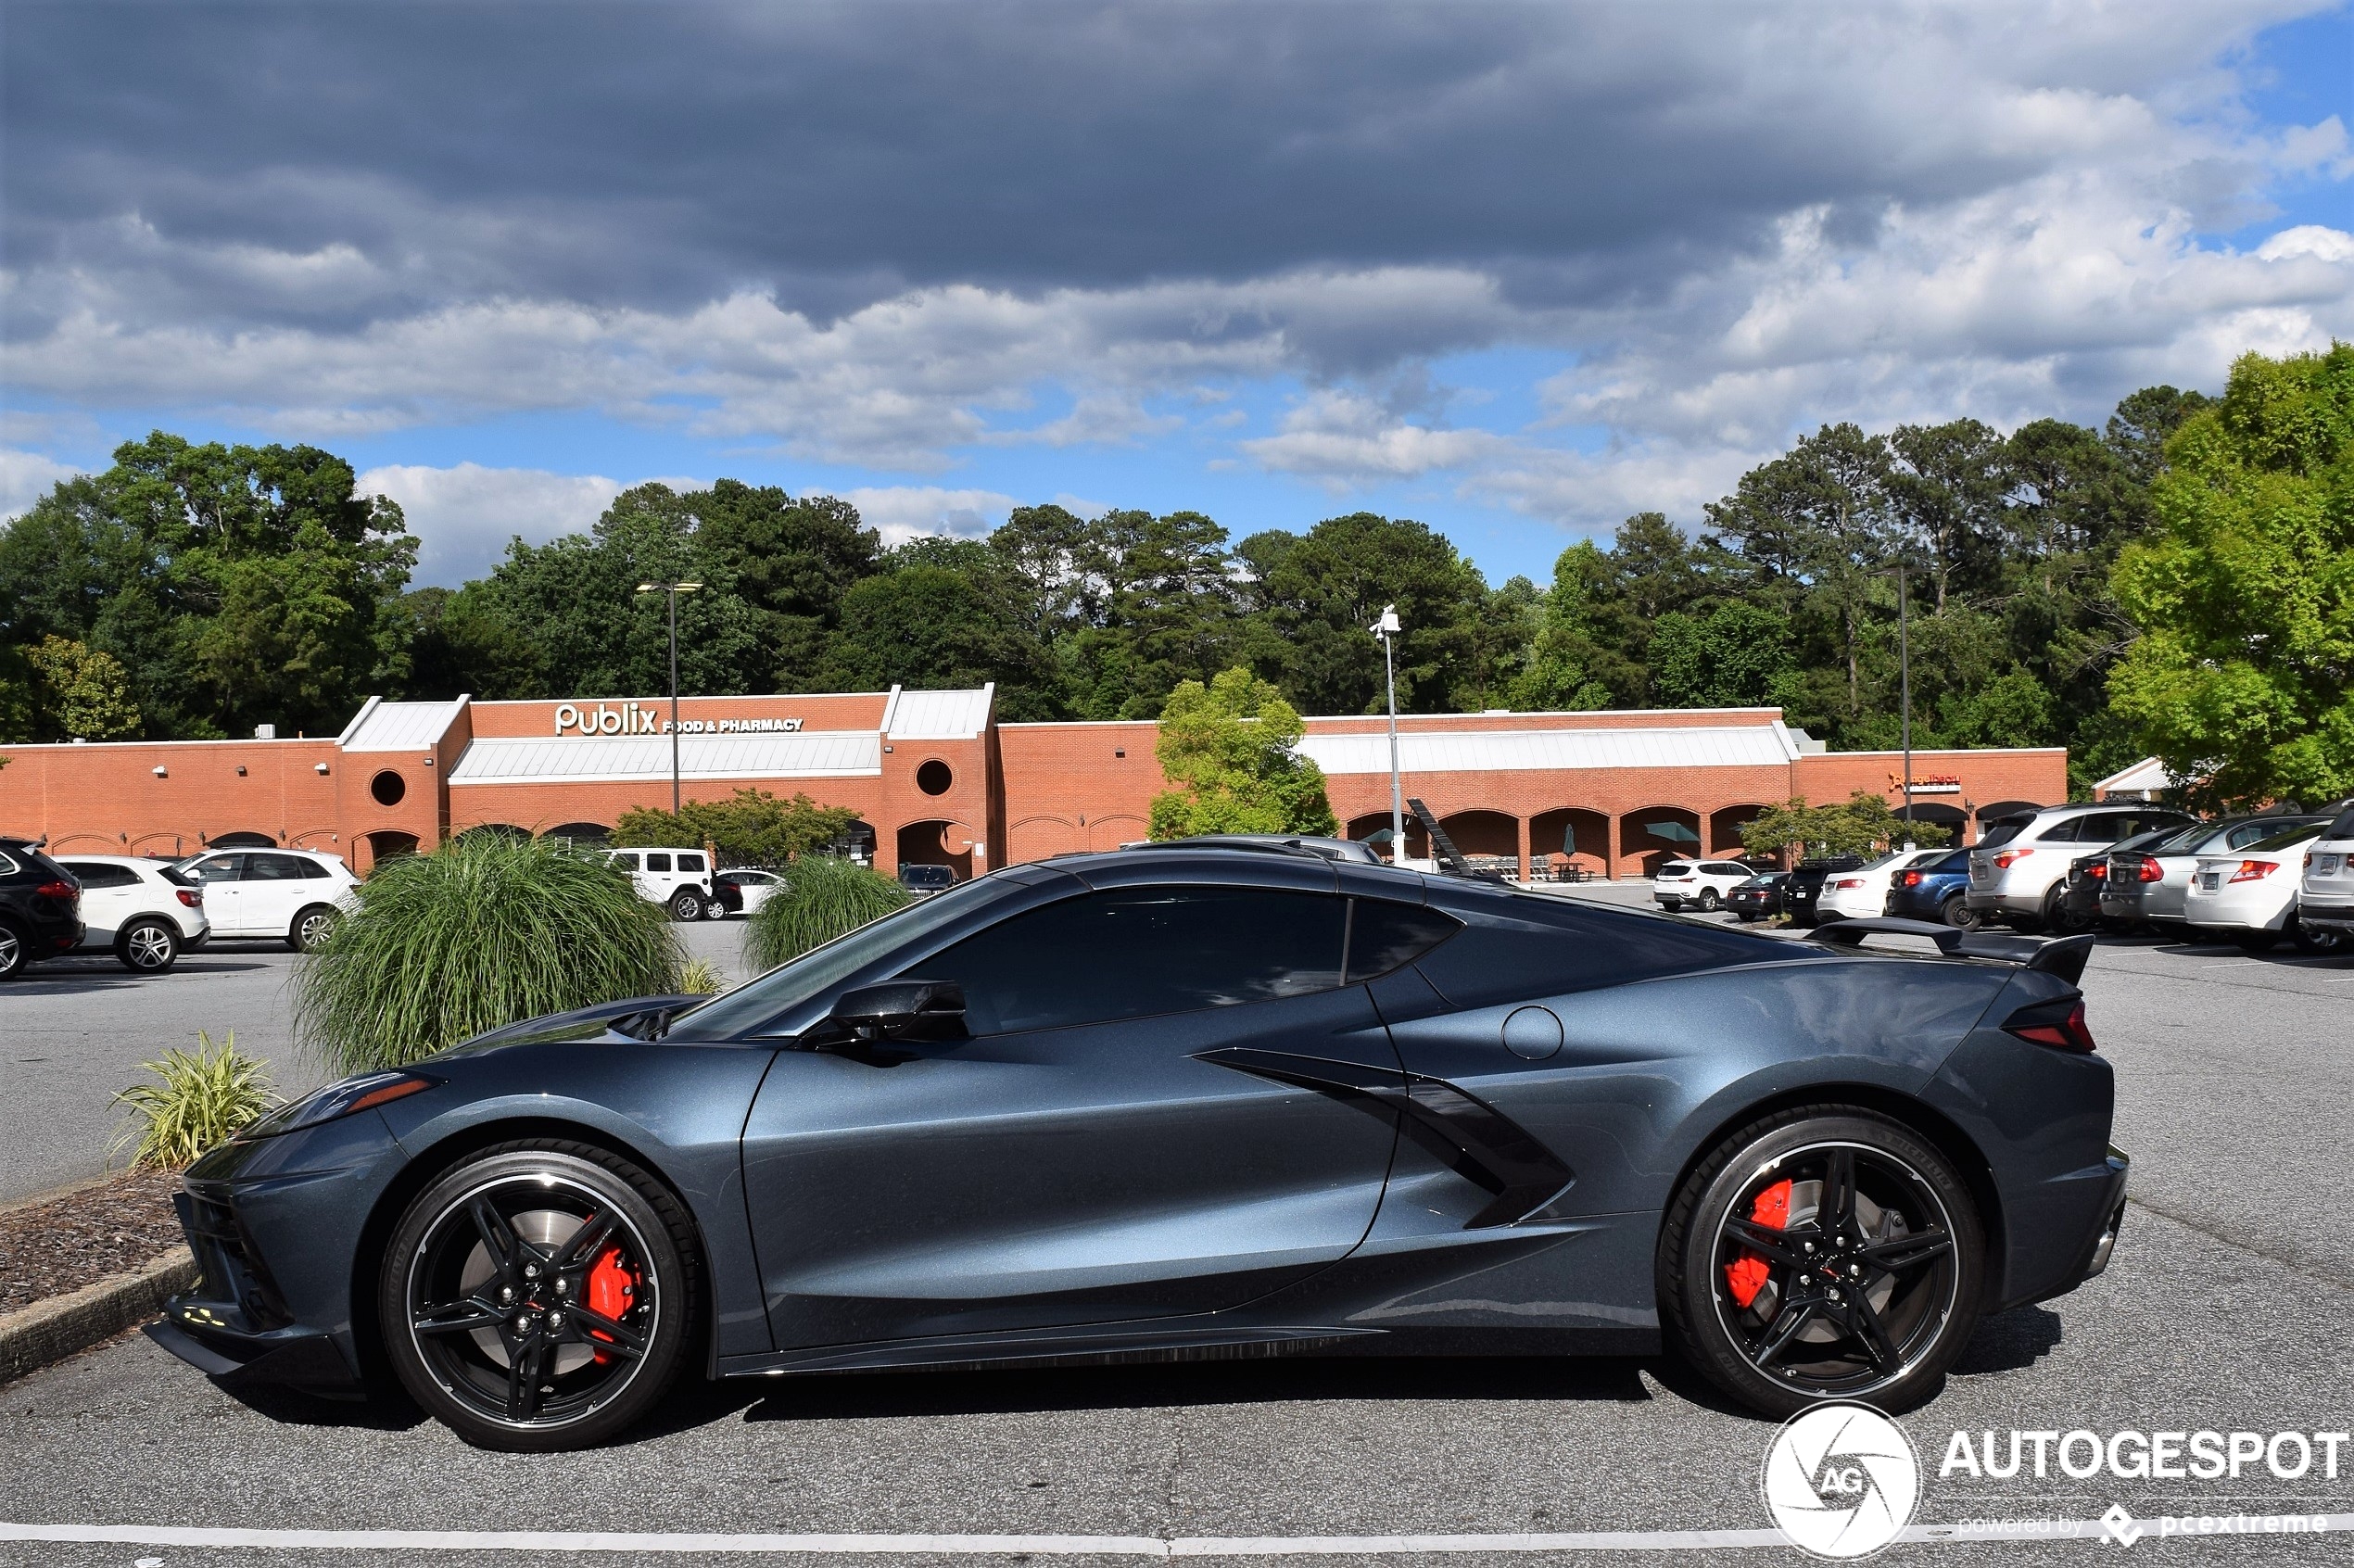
[(107, 895), (224, 879), (1106, 1147), (275, 888)]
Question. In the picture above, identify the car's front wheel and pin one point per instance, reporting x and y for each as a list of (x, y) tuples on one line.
[(1822, 1253), (686, 905), (540, 1296), (311, 928), (148, 947)]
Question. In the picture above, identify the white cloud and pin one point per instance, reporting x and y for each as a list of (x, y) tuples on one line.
[(25, 477), (463, 516), (905, 511)]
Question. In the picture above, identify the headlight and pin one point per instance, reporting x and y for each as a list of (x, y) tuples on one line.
[(364, 1093)]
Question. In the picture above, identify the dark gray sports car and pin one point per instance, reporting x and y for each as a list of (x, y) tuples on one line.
[(1177, 1100)]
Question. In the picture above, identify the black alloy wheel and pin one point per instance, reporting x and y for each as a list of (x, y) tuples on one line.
[(1956, 912), (148, 947), (15, 951), (540, 1296), (686, 905), (1823, 1253), (311, 928)]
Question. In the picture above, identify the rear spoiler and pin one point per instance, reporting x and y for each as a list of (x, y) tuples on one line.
[(2064, 957)]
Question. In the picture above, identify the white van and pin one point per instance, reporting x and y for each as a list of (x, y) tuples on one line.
[(679, 879)]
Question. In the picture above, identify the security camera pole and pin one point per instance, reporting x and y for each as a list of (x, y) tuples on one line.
[(672, 590), (1386, 629)]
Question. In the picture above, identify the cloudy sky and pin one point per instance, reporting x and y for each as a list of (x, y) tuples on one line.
[(1516, 270)]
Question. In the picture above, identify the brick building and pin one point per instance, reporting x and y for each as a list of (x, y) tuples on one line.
[(936, 779)]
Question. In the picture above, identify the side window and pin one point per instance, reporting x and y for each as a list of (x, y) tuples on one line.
[(2107, 829), (1382, 937), (626, 859), (276, 868), (690, 862), (658, 862), (2068, 832), (1726, 869), (220, 869), (89, 874), (1137, 952), (2245, 834)]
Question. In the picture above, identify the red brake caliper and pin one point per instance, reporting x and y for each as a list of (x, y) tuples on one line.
[(1747, 1275), (613, 1290)]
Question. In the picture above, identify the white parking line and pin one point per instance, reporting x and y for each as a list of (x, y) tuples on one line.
[(1042, 1546)]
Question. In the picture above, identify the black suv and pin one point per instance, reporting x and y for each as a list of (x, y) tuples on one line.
[(1803, 886), (39, 907)]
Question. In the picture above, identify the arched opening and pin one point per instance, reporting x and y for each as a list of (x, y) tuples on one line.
[(935, 777), (1110, 832), (1569, 842), (2004, 808), (241, 841), (1363, 829), (390, 845), (925, 843), (90, 843), (1724, 827), (581, 835), (156, 845), (856, 844), (1941, 815), (1036, 838), (387, 788), (1658, 833), (1490, 840), (493, 830)]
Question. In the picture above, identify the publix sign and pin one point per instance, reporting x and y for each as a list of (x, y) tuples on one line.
[(639, 719)]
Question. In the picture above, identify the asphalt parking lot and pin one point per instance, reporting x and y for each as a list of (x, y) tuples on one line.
[(2229, 1307)]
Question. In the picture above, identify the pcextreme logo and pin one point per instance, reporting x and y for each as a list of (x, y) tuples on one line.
[(1840, 1481)]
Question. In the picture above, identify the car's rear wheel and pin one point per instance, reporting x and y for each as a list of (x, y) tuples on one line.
[(148, 947), (2057, 916), (2256, 940), (15, 951), (311, 928), (1957, 914), (540, 1296), (1825, 1252), (2320, 940), (686, 905), (1708, 901)]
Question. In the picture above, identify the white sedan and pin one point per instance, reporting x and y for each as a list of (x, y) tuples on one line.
[(756, 886), (145, 911), (2249, 895), (1862, 893), (1700, 884)]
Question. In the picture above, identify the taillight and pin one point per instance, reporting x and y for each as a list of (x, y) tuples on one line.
[(2255, 871), (192, 897), (1849, 882), (2058, 1024), (2005, 859), (2152, 871), (65, 890), (2099, 868), (1912, 879)]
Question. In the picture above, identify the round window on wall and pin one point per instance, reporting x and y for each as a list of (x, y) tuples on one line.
[(389, 788), (934, 778)]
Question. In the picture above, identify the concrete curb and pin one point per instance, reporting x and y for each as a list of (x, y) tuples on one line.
[(52, 1330)]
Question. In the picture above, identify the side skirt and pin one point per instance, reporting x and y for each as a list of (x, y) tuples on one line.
[(1052, 1348)]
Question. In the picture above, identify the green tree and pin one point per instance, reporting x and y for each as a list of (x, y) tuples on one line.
[(1735, 656), (939, 625), (1859, 825), (2243, 678), (79, 693), (1568, 665), (749, 827), (1228, 750), (1322, 592)]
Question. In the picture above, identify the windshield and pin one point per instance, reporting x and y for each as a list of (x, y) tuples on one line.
[(2180, 841), (744, 1009), (2290, 836)]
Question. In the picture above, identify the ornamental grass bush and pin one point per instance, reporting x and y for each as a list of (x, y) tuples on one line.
[(201, 1098), (823, 898), (485, 931)]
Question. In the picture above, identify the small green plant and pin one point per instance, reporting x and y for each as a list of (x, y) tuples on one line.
[(700, 977), (823, 898), (202, 1098), (485, 931)]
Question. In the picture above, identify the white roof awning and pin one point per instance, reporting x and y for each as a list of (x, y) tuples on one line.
[(400, 727), (1536, 750), (835, 754)]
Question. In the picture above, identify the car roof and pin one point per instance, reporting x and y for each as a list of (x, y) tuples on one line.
[(136, 861)]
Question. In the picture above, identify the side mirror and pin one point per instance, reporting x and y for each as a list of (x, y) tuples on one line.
[(899, 1010)]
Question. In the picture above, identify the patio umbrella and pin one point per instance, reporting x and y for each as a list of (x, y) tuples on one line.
[(1569, 838), (1673, 832)]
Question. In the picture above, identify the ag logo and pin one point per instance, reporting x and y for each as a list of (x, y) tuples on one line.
[(1840, 1480)]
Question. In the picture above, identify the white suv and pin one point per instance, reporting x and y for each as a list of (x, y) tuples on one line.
[(145, 910), (679, 879), (1700, 884), (2018, 867), (2325, 896), (293, 896)]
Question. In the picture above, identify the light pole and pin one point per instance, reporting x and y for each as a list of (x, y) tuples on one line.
[(1386, 629), (672, 591), (1904, 687)]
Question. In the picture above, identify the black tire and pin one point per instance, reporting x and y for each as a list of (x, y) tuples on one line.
[(1744, 916), (2058, 917), (2252, 941), (1924, 1308), (443, 1265), (313, 926), (686, 905), (148, 946), (1709, 901), (2319, 940), (1956, 912), (16, 951)]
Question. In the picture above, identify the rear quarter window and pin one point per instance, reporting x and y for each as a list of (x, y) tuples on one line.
[(1535, 946), (2002, 831)]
